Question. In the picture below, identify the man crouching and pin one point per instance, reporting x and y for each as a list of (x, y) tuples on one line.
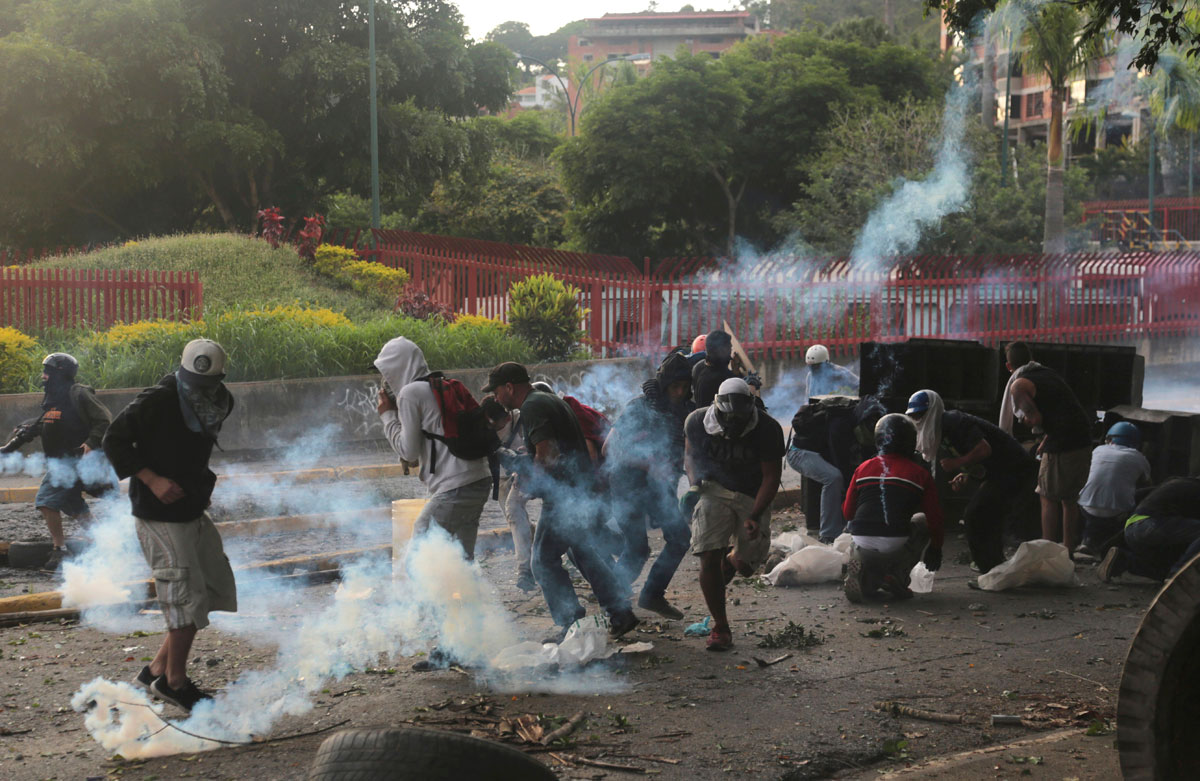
[(733, 458), (883, 496), (162, 442)]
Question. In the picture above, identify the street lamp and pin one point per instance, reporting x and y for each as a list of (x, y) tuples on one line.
[(375, 223), (573, 104)]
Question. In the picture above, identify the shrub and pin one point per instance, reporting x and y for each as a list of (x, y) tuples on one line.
[(375, 280), (143, 332), (545, 313), (292, 315), (18, 360), (418, 304)]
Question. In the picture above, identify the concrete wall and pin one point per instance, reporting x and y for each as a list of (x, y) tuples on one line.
[(280, 413)]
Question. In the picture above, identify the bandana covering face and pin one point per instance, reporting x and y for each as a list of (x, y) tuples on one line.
[(713, 427), (204, 409)]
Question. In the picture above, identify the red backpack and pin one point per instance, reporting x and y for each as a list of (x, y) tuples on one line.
[(467, 433), (594, 423)]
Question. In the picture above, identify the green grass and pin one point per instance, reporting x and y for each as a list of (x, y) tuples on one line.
[(237, 272)]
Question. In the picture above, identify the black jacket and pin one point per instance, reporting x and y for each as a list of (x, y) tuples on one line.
[(150, 433)]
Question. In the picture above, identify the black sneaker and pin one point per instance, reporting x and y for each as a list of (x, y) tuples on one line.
[(437, 660), (622, 623), (55, 558), (184, 697), (526, 583), (144, 679), (557, 635), (660, 605)]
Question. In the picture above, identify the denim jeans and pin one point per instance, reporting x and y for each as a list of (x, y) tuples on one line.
[(639, 501), (570, 522), (1159, 547), (833, 487)]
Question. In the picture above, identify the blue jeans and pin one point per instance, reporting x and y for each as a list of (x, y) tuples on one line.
[(833, 487), (638, 501), (1159, 547), (569, 522)]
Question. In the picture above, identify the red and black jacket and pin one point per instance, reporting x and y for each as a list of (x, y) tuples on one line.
[(884, 494)]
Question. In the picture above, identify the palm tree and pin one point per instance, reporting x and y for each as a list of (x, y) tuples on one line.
[(1053, 45), (1172, 91)]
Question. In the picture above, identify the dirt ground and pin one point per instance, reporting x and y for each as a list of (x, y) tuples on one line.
[(1051, 656)]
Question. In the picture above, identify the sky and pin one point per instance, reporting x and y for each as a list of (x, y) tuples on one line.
[(546, 16)]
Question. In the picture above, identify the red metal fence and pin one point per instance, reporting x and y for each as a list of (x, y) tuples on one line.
[(1113, 221), (33, 299), (778, 306)]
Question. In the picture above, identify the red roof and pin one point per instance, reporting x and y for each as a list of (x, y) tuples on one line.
[(527, 91), (647, 15)]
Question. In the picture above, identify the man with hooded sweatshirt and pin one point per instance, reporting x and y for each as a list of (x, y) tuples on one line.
[(644, 456), (967, 447), (894, 516), (162, 442), (734, 459), (72, 426), (562, 475), (458, 488)]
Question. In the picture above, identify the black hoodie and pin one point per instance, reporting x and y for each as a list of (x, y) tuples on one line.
[(151, 433)]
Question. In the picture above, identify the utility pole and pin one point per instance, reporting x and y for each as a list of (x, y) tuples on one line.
[(375, 221), (1007, 110)]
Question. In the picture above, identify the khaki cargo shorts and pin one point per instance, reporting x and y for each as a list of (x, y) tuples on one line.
[(1061, 476), (192, 575), (720, 517)]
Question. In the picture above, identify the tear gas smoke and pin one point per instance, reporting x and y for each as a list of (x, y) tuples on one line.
[(442, 598)]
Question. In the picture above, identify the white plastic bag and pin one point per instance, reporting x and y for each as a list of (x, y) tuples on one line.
[(522, 655), (793, 541), (810, 564), (1036, 563), (921, 579), (586, 639)]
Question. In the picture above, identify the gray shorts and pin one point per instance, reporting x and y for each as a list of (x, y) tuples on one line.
[(457, 511), (719, 521), (192, 575)]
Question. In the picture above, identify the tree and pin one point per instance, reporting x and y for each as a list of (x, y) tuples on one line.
[(125, 116), (1052, 44), (1156, 23)]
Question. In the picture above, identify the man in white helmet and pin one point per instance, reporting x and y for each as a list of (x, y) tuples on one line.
[(733, 456), (162, 442), (826, 377)]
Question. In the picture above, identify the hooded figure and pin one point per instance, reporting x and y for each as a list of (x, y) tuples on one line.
[(926, 408), (458, 488), (707, 375)]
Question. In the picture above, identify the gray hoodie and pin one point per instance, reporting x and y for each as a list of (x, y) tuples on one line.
[(402, 363)]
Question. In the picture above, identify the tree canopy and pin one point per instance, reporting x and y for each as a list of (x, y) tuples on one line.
[(125, 117)]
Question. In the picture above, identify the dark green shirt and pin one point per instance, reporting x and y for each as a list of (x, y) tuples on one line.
[(546, 417)]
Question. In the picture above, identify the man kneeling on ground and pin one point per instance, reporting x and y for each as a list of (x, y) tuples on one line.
[(734, 459), (1161, 536), (883, 496)]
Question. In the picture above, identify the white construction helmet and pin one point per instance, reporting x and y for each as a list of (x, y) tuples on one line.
[(818, 353), (204, 357)]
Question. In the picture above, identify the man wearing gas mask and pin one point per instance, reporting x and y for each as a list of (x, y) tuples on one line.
[(162, 442), (734, 459), (72, 425)]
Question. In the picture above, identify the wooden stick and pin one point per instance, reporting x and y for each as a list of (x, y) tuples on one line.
[(897, 709), (568, 759), (563, 731)]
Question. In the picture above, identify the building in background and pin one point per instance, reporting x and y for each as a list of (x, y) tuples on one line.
[(544, 93)]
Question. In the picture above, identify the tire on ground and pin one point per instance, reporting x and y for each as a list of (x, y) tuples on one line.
[(420, 754), (1158, 716), (28, 555)]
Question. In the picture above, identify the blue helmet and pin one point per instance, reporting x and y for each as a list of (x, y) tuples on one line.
[(918, 403), (1125, 433)]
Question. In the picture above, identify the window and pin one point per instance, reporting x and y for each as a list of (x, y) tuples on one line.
[(613, 56), (588, 57), (1037, 105), (713, 39), (1014, 106), (584, 42)]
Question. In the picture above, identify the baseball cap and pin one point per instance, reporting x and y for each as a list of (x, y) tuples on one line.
[(504, 374)]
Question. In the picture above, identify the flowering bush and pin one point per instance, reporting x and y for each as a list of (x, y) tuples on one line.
[(478, 321), (370, 279), (143, 331), (19, 355), (272, 225), (292, 314), (310, 236)]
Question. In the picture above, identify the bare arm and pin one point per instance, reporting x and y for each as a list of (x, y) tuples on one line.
[(771, 473), (978, 453), (1023, 392), (688, 465), (546, 453)]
